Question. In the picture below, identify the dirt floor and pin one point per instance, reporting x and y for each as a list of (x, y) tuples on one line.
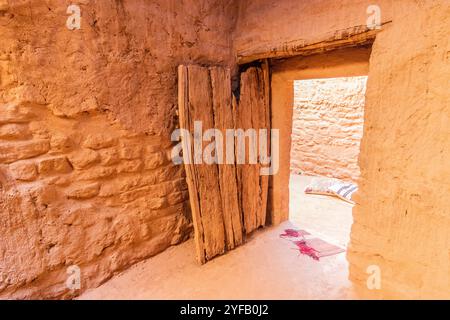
[(326, 217), (268, 267)]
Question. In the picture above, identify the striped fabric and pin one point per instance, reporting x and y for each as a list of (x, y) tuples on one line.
[(332, 187), (344, 190)]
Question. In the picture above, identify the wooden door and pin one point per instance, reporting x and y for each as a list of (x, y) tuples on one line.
[(228, 199)]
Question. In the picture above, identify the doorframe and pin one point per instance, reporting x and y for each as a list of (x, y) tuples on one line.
[(344, 62)]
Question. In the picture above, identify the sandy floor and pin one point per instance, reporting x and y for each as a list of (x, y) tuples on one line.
[(267, 267), (326, 217)]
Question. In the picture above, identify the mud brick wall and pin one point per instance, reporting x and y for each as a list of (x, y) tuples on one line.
[(73, 102), (83, 193), (327, 127), (402, 216), (85, 123)]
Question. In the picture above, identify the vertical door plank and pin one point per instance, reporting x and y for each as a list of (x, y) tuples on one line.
[(204, 178), (206, 175), (253, 114), (224, 118), (188, 151)]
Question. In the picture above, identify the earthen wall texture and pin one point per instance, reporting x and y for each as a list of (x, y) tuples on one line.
[(402, 216), (327, 127), (85, 121), (86, 116)]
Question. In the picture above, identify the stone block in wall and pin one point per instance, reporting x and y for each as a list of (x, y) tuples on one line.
[(129, 196), (11, 152), (39, 129), (83, 158), (54, 165), (166, 173), (99, 141), (129, 152), (109, 156), (82, 191), (152, 148), (4, 5), (156, 203), (60, 143), (129, 166), (158, 191), (120, 185), (24, 171), (154, 160), (14, 131), (87, 106), (97, 173), (178, 197), (13, 113), (59, 180)]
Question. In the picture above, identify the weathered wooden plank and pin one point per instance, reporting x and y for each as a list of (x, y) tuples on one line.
[(252, 114), (354, 36), (206, 175), (224, 119), (185, 123), (203, 179)]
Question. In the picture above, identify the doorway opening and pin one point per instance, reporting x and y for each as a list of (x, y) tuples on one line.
[(327, 127), (317, 103)]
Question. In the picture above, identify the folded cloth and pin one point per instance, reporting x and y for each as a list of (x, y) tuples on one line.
[(344, 190), (332, 187)]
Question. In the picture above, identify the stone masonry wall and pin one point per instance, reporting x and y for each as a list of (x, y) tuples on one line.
[(81, 192), (85, 123), (327, 126)]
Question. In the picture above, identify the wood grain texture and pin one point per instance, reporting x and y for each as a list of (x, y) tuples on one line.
[(206, 175), (252, 114), (195, 104), (224, 118), (185, 123), (351, 37)]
